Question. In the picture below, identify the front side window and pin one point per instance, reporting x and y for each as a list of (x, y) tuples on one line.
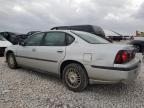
[(54, 39), (34, 40), (90, 38)]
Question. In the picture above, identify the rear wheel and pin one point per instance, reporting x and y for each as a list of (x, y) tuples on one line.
[(75, 77), (11, 61), (138, 48)]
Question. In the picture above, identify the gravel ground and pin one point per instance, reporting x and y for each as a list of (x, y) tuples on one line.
[(23, 88)]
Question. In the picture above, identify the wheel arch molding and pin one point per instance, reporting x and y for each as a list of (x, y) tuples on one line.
[(66, 62)]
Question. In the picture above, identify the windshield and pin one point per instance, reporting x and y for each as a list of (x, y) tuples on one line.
[(2, 38), (90, 38)]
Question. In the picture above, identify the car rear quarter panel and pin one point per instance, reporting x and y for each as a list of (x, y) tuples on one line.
[(89, 54), (79, 51)]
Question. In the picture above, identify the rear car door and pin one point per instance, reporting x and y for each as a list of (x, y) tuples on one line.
[(27, 55)]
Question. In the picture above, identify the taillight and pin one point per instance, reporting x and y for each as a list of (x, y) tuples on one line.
[(124, 56)]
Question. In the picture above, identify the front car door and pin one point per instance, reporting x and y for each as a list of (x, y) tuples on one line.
[(27, 55)]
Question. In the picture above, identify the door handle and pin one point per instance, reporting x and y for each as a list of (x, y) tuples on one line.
[(33, 49), (60, 51)]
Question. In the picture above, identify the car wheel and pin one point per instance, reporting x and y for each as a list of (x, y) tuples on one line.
[(75, 77), (137, 48), (11, 61)]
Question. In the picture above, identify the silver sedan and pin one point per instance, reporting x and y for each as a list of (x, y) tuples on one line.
[(78, 58)]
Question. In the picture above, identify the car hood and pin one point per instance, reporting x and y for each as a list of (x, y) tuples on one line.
[(5, 43)]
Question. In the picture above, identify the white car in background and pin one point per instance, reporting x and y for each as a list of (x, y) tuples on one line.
[(112, 35), (78, 58), (3, 44)]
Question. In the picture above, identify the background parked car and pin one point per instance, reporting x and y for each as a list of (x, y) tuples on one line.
[(32, 32), (3, 44), (8, 35), (87, 28), (13, 38), (127, 37), (138, 43), (114, 36), (18, 38)]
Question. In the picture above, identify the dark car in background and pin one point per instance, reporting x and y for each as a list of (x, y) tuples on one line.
[(14, 38), (87, 28), (112, 35), (138, 43), (127, 37), (18, 38)]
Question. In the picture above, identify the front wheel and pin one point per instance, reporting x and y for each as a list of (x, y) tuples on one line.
[(75, 77), (11, 61)]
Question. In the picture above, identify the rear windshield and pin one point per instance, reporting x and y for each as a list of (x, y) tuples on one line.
[(2, 38), (90, 38)]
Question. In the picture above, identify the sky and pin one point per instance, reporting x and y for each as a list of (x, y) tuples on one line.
[(122, 16)]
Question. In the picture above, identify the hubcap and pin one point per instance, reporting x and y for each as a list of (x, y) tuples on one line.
[(73, 78), (137, 48)]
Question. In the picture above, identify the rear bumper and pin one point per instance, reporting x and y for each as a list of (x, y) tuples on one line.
[(114, 74)]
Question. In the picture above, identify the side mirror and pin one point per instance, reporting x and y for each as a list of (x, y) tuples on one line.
[(22, 43)]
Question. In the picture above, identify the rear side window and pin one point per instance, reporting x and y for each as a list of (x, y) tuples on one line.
[(54, 39), (70, 39), (90, 38)]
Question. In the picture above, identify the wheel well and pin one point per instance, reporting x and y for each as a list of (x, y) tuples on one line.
[(8, 52), (66, 63)]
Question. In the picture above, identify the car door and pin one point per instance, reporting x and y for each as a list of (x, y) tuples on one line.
[(52, 51), (27, 54)]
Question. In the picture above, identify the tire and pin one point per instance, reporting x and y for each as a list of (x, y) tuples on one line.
[(75, 77), (11, 61), (138, 48)]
